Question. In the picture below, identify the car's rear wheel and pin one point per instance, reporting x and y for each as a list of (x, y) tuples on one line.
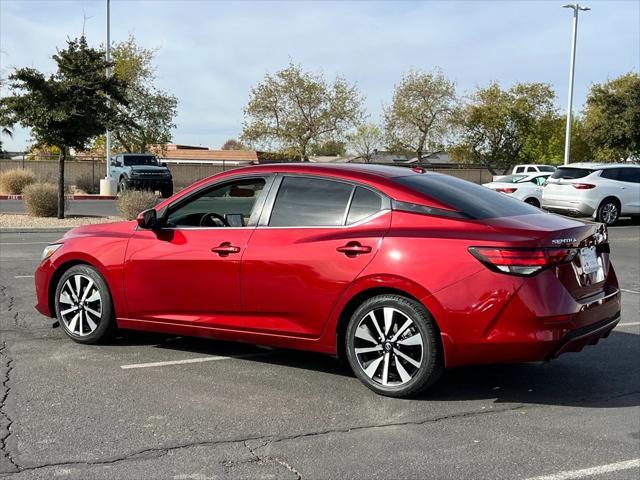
[(533, 201), (83, 305), (393, 346), (608, 211)]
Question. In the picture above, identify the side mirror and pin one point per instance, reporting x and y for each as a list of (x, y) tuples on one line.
[(148, 219), (163, 164)]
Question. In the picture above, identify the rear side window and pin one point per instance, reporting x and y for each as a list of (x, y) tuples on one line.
[(631, 175), (307, 202), (570, 172), (364, 203), (473, 201), (627, 174)]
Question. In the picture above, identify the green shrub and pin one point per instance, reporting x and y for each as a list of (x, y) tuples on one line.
[(41, 199), (13, 182), (86, 184), (132, 202)]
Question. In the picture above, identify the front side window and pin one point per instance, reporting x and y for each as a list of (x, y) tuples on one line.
[(228, 205), (310, 202)]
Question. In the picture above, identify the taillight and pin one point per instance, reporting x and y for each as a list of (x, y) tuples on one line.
[(506, 190), (583, 186), (522, 261)]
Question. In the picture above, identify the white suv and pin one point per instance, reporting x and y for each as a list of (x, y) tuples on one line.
[(604, 191)]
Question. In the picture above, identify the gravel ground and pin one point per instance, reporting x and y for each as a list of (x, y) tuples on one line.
[(26, 221)]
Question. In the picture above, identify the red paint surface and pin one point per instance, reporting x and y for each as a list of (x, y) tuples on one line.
[(288, 287)]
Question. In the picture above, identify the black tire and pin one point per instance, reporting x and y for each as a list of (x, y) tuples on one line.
[(609, 211), (431, 364), (105, 322), (166, 192), (123, 185), (533, 202)]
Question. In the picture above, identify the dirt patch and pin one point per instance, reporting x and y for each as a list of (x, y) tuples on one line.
[(25, 221)]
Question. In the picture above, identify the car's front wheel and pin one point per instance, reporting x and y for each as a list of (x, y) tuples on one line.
[(608, 211), (393, 346), (83, 305), (123, 186)]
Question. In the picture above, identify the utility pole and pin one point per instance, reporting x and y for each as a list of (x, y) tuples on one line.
[(567, 141), (107, 185)]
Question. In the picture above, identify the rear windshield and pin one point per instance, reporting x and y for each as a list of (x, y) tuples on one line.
[(570, 172), (468, 198), (512, 178)]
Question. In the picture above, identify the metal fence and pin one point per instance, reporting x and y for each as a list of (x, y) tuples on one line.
[(90, 169)]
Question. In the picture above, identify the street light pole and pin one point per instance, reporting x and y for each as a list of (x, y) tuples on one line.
[(567, 142), (108, 142), (107, 186)]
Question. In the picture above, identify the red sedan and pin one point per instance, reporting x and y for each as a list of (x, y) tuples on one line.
[(401, 272)]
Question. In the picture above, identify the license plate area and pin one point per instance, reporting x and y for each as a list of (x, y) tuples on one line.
[(589, 260), (589, 267)]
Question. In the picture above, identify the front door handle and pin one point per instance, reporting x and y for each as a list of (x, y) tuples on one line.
[(352, 249), (225, 249)]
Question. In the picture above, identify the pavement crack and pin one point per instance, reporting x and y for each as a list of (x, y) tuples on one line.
[(156, 452), (4, 394)]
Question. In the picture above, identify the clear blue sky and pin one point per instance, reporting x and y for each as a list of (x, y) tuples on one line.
[(211, 53)]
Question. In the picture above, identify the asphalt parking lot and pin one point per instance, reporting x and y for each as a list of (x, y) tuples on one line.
[(155, 406)]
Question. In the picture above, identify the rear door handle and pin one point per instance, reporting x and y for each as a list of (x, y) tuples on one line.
[(225, 249), (352, 249)]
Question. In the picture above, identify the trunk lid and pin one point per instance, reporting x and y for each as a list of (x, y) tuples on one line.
[(585, 275)]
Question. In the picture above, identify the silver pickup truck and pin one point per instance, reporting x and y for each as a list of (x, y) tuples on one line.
[(141, 171)]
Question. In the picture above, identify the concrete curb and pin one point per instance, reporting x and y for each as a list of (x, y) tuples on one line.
[(68, 197), (36, 230)]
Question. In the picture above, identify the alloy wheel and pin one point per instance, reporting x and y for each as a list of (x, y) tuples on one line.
[(388, 346), (80, 305), (609, 213)]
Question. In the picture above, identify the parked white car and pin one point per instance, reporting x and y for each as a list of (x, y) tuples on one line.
[(604, 191), (525, 187), (528, 169)]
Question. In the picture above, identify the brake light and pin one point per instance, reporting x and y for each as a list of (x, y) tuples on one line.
[(506, 189), (583, 186), (522, 261)]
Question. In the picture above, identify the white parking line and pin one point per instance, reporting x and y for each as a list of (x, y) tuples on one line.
[(628, 324), (629, 291), (24, 276), (588, 472), (190, 360), (26, 243)]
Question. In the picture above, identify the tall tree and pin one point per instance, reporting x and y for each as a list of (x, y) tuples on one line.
[(149, 116), (420, 112), (366, 140), (612, 118), (496, 124), (293, 109), (70, 107)]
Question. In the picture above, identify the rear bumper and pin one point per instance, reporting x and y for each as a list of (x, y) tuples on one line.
[(534, 319), (577, 339), (570, 207)]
